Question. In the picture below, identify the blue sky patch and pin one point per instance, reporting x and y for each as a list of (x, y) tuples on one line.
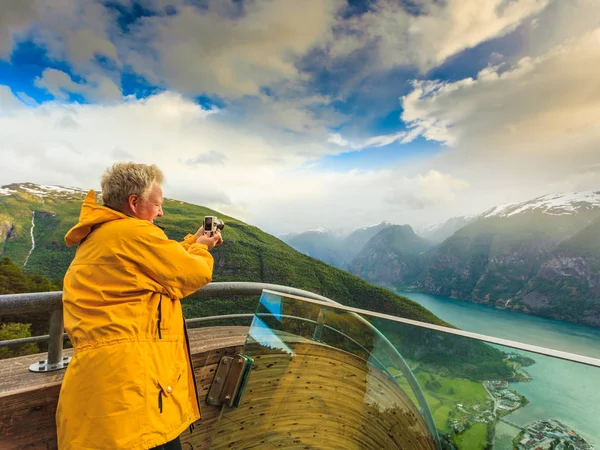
[(377, 157), (137, 85), (27, 62), (128, 16)]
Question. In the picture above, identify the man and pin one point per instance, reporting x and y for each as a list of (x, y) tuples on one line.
[(130, 384)]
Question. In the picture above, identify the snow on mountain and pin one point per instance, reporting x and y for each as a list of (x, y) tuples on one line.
[(6, 191), (317, 230), (385, 223), (553, 204), (61, 189), (41, 190), (321, 230)]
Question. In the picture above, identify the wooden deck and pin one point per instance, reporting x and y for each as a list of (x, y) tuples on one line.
[(322, 398), (28, 400)]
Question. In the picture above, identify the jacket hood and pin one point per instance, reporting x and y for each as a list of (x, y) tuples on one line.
[(92, 214)]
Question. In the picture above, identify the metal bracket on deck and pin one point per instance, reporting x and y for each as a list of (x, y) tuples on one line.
[(230, 381), (44, 366)]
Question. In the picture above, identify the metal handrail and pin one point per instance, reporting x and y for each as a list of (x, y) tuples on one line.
[(46, 301), (52, 301)]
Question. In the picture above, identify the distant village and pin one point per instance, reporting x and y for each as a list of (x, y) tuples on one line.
[(500, 402), (549, 434), (505, 401)]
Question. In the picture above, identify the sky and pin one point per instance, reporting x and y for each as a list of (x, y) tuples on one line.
[(291, 115)]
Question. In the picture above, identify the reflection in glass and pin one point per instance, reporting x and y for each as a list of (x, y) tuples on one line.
[(320, 380)]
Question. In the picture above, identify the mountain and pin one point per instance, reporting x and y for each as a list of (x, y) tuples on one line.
[(46, 213), (539, 257), (333, 248), (320, 243), (440, 232), (356, 241), (571, 270), (392, 254)]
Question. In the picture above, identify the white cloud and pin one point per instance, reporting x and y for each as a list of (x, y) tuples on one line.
[(71, 30), (207, 160), (213, 50), (403, 137), (439, 31), (518, 131), (15, 18), (347, 200), (83, 45), (75, 31), (538, 106), (75, 142), (98, 88), (8, 102)]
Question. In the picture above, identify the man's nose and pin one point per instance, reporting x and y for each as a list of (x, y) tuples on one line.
[(160, 211)]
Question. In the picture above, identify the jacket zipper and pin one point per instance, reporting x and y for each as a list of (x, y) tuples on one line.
[(159, 316), (189, 354)]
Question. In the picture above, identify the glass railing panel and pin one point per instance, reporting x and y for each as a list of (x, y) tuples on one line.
[(485, 395), (328, 377), (321, 381)]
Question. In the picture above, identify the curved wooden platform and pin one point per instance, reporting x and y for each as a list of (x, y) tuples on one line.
[(322, 398)]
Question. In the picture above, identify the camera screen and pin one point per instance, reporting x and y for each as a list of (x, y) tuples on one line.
[(208, 223)]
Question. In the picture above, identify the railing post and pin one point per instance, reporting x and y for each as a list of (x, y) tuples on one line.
[(55, 361), (55, 345), (318, 333)]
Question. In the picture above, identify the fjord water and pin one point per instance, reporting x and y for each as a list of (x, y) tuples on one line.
[(559, 389)]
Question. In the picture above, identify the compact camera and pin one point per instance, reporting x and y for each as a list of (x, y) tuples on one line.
[(212, 224)]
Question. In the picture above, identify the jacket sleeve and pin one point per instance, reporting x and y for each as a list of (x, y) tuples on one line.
[(180, 268), (188, 240)]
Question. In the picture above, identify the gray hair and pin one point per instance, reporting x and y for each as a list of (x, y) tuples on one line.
[(128, 178)]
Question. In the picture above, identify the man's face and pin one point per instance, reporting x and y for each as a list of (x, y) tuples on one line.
[(151, 207)]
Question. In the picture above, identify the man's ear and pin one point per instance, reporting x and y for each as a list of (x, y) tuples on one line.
[(132, 202)]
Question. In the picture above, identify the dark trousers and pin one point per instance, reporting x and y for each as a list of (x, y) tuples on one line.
[(175, 444)]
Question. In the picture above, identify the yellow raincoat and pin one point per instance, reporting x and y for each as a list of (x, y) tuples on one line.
[(130, 384)]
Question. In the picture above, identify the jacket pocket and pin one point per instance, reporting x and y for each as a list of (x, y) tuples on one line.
[(167, 386)]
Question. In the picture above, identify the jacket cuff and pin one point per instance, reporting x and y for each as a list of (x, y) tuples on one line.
[(188, 240)]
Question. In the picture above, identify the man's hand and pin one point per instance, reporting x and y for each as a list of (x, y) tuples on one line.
[(210, 242)]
